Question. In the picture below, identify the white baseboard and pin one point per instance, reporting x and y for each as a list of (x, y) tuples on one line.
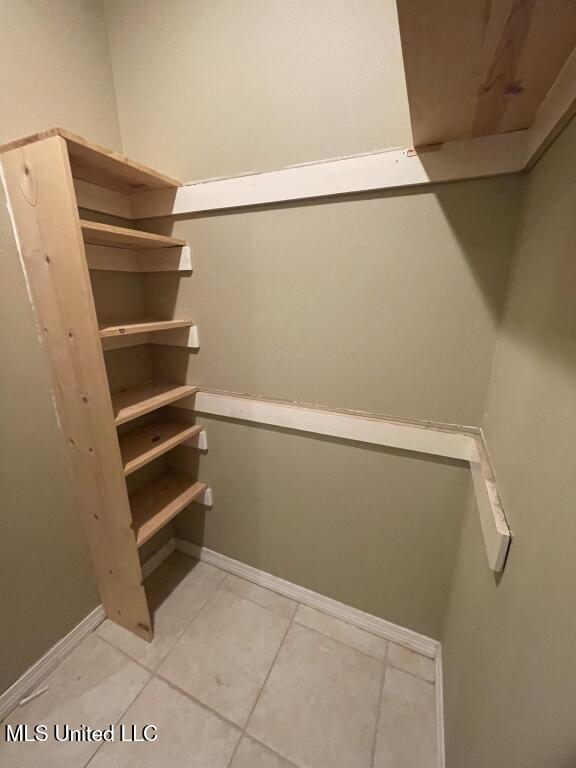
[(42, 668), (158, 558), (439, 686), (386, 629)]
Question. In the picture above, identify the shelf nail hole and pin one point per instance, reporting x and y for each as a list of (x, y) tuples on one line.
[(72, 441), (95, 517), (84, 398)]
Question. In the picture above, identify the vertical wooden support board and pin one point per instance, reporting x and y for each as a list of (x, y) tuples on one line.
[(40, 193)]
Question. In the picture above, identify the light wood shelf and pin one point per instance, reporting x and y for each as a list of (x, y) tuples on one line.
[(143, 444), (121, 237), (128, 404), (49, 178), (108, 330), (101, 257), (98, 165), (157, 503)]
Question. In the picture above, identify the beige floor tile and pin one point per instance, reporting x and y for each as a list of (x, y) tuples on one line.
[(410, 661), (93, 686), (250, 754), (261, 596), (320, 703), (177, 591), (224, 656), (407, 726), (341, 631), (188, 735)]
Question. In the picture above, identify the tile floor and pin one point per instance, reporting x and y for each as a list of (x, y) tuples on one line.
[(236, 677)]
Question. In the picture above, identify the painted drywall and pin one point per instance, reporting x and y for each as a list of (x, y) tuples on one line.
[(219, 88), (55, 71), (345, 520), (510, 678), (387, 304)]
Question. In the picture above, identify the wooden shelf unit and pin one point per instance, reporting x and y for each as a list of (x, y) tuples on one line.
[(48, 177)]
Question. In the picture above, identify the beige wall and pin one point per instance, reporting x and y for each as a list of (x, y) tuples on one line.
[(509, 643), (385, 303), (353, 305), (55, 71), (218, 88), (375, 529)]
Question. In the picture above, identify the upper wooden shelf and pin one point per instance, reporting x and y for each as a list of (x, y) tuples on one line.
[(98, 165), (122, 237), (158, 502), (140, 326), (128, 404), (480, 68)]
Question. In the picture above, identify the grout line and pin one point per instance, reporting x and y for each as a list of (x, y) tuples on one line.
[(126, 655), (188, 695), (198, 612), (120, 716), (379, 708), (269, 749), (155, 673), (344, 644), (272, 665), (250, 600), (233, 755), (412, 674)]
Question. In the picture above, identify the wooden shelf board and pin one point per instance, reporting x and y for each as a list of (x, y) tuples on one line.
[(101, 257), (157, 503), (141, 326), (128, 404), (98, 165), (142, 445), (501, 61), (122, 237)]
